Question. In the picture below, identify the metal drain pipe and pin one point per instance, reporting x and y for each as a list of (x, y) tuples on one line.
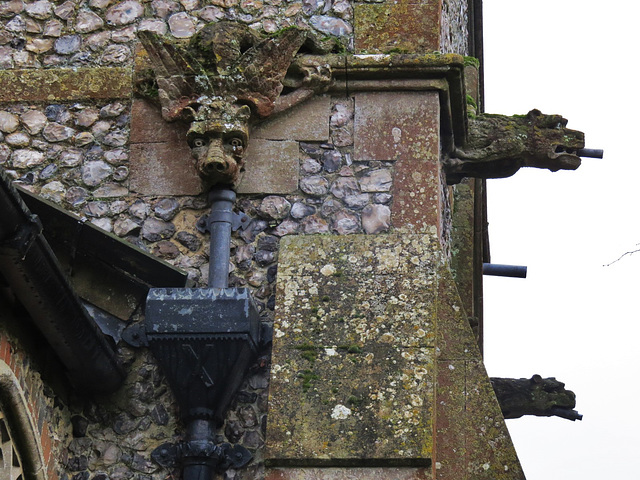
[(497, 270), (220, 223), (204, 339)]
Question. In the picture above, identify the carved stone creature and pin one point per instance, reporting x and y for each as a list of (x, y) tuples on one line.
[(543, 397), (498, 146), (226, 78)]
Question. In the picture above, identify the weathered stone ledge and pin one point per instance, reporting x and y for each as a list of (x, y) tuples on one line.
[(404, 72), (64, 84)]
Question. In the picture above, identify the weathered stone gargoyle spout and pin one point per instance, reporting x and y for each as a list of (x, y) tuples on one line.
[(498, 146), (226, 78), (543, 397)]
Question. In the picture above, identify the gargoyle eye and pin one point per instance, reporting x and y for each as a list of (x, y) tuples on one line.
[(198, 142)]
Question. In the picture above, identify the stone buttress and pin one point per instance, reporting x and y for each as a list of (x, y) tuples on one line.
[(376, 366)]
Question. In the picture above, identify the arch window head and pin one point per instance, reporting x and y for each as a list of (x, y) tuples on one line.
[(10, 464)]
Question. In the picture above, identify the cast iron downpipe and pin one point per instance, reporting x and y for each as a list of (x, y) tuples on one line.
[(38, 281), (220, 223), (204, 340)]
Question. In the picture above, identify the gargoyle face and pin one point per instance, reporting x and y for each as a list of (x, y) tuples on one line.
[(549, 393), (218, 140), (551, 144)]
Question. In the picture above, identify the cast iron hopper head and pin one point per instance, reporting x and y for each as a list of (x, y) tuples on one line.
[(204, 340)]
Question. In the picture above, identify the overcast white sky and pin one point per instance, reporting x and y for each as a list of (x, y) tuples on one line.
[(572, 318)]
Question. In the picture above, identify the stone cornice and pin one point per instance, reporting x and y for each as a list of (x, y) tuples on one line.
[(351, 73), (404, 72)]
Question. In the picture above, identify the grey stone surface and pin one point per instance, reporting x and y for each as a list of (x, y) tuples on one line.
[(270, 167), (26, 158), (154, 229), (40, 10), (314, 185), (18, 139), (166, 208), (182, 25), (55, 132), (376, 218), (331, 25), (124, 13), (306, 122), (93, 173), (68, 44), (8, 122), (379, 180), (34, 121), (275, 207), (344, 186), (53, 191), (88, 21)]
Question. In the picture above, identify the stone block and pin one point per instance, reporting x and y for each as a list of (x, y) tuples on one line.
[(148, 126), (404, 128), (64, 84), (308, 121), (271, 167), (466, 410), (163, 169), (391, 125), (406, 26), (352, 362), (454, 337), (358, 310), (160, 160), (350, 403), (472, 82), (489, 449), (450, 424), (350, 473), (462, 241), (357, 255)]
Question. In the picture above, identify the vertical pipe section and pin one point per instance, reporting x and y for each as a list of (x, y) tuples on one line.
[(220, 222), (198, 462)]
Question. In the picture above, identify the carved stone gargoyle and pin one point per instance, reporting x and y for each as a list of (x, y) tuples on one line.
[(499, 145), (225, 79), (543, 397)]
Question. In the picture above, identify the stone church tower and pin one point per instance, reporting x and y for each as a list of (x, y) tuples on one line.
[(363, 265)]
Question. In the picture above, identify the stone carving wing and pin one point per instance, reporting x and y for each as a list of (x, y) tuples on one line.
[(177, 75), (265, 66)]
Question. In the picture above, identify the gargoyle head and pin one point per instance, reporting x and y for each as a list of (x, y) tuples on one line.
[(543, 397), (499, 145), (218, 138), (550, 144)]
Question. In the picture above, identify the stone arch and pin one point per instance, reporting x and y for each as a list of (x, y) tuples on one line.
[(20, 433)]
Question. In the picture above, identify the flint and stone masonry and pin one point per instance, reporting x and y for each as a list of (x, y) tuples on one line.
[(359, 255)]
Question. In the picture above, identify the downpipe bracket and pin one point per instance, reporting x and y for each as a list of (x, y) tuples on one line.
[(223, 456)]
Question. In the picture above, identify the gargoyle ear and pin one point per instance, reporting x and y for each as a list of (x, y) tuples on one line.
[(244, 112), (533, 114), (536, 379)]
